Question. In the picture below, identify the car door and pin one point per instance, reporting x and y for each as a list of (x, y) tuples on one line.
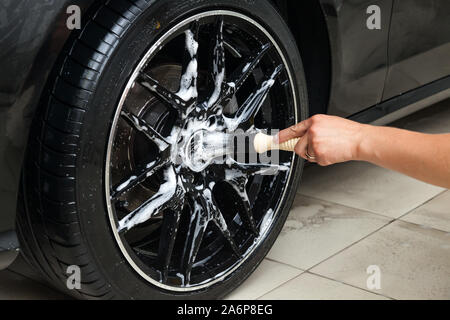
[(419, 45), (359, 53)]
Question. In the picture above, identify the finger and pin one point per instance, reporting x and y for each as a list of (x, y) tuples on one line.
[(300, 147), (295, 131)]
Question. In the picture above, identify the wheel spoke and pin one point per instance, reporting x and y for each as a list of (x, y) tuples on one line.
[(250, 169), (169, 231), (145, 253), (238, 182), (242, 72), (135, 179), (216, 215), (141, 126), (254, 102), (217, 68), (222, 225), (197, 227), (189, 73), (169, 195), (161, 92)]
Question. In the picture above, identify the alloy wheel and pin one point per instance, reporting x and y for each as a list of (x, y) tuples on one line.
[(185, 211)]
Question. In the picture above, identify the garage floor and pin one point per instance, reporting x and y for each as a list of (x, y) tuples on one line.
[(345, 218)]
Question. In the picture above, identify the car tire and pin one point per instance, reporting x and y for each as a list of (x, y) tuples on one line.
[(65, 220)]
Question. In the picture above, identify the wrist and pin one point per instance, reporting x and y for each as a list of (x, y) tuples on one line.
[(364, 146)]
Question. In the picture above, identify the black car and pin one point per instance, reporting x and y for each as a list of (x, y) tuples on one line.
[(98, 100)]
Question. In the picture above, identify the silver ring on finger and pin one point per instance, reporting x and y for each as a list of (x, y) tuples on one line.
[(310, 157)]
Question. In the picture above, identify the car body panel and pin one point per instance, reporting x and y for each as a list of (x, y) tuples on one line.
[(405, 104), (419, 45), (359, 55)]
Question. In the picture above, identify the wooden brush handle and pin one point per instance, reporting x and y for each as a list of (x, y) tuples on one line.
[(264, 143)]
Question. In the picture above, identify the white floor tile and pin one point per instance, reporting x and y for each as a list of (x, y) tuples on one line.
[(268, 276), (367, 187), (414, 262), (311, 287), (434, 214), (315, 230)]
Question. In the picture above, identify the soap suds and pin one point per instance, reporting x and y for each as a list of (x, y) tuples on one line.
[(126, 183), (252, 104), (188, 83), (266, 222), (218, 82), (246, 67), (218, 70), (188, 87), (165, 193), (191, 43), (181, 276), (150, 165), (141, 126)]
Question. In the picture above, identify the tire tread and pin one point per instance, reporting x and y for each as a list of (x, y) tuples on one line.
[(50, 233)]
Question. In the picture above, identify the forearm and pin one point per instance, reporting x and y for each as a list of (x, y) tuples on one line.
[(423, 156), (332, 139)]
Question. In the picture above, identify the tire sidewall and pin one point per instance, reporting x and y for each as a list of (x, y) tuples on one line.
[(91, 202)]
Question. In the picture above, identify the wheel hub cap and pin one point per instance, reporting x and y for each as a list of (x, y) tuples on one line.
[(203, 147)]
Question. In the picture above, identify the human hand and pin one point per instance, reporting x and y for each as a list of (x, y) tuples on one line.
[(325, 139)]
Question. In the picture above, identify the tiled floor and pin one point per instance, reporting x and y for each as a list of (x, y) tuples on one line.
[(345, 220)]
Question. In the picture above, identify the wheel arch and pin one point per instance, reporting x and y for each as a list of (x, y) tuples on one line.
[(307, 22)]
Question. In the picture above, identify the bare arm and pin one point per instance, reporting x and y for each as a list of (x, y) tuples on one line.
[(332, 139)]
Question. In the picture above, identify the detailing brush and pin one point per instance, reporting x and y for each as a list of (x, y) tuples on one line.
[(263, 143)]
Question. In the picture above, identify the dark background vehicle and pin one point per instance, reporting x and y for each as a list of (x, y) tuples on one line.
[(47, 70)]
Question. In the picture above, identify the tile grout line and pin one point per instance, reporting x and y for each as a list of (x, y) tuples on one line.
[(286, 264), (349, 284), (302, 271), (280, 285), (324, 277), (383, 216), (412, 210), (421, 205), (298, 193), (313, 266), (349, 207), (423, 226), (356, 242)]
